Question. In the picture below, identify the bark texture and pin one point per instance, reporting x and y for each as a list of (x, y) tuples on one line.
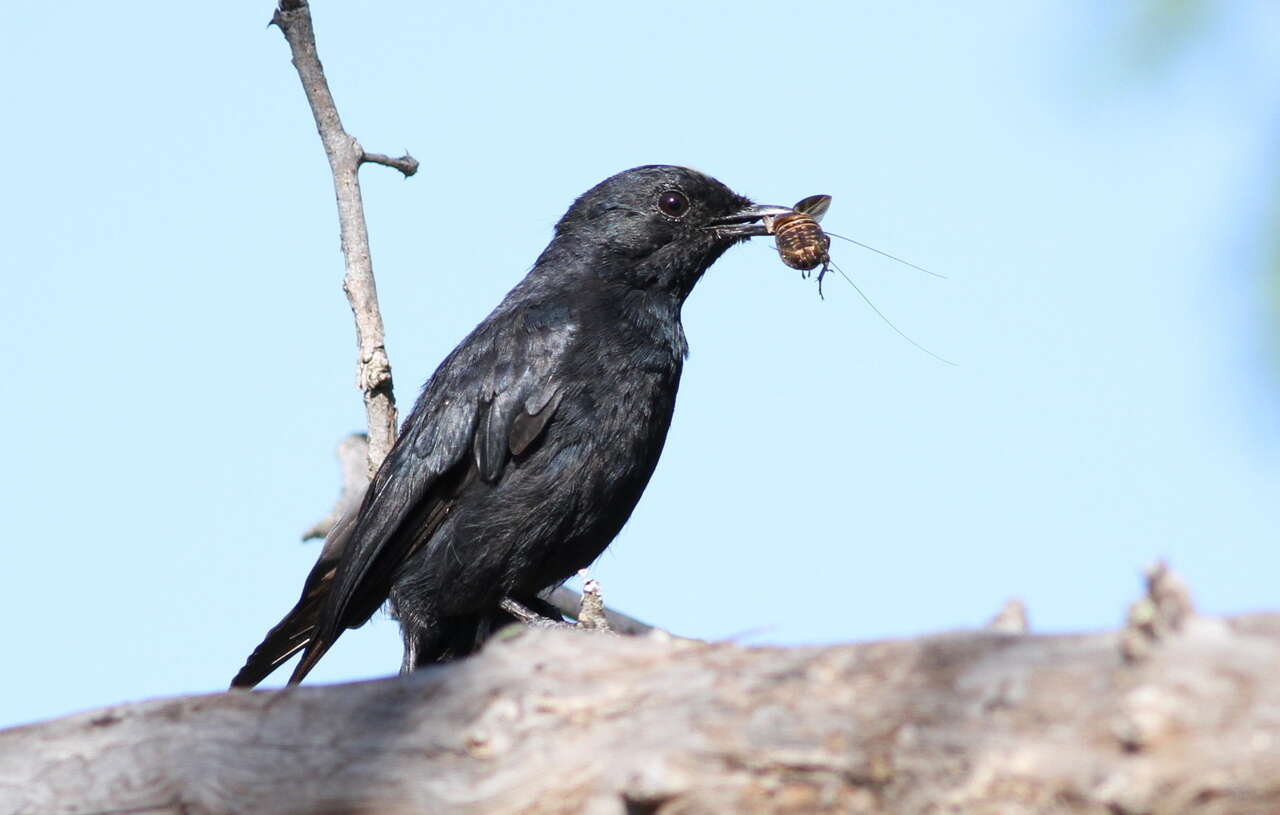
[(561, 722)]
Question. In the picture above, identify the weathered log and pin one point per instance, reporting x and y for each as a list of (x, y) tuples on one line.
[(560, 722)]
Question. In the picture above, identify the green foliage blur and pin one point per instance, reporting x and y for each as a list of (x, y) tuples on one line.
[(1158, 38)]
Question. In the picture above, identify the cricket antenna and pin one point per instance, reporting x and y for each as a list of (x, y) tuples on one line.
[(887, 321), (884, 254)]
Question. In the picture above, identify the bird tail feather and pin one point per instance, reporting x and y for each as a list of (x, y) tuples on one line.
[(296, 632)]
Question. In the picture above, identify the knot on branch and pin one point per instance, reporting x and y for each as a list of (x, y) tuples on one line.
[(375, 371)]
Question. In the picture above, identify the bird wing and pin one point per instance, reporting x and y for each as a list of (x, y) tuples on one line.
[(491, 398)]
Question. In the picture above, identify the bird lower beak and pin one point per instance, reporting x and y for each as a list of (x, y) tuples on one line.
[(747, 222)]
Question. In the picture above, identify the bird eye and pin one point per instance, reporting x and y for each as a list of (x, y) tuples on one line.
[(673, 203)]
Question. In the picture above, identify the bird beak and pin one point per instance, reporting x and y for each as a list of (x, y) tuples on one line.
[(747, 222)]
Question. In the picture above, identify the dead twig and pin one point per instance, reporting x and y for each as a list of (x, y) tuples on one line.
[(293, 17)]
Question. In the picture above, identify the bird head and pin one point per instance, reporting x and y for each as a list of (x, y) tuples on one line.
[(658, 227)]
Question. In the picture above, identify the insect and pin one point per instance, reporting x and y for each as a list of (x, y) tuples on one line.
[(800, 240), (803, 244)]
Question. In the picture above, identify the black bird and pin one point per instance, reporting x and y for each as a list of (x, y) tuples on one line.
[(531, 443)]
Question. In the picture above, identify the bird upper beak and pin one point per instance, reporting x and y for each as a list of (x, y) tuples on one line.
[(746, 222)]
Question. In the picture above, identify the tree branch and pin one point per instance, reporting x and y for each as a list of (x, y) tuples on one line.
[(556, 722), (345, 154)]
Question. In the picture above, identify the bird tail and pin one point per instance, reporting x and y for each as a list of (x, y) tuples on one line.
[(297, 630)]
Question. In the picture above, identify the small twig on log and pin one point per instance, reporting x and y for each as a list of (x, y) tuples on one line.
[(345, 154), (1011, 618), (591, 612), (1161, 612), (568, 602), (1170, 595)]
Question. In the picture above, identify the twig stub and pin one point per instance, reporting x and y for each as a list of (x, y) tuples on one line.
[(591, 613), (1157, 615), (406, 164)]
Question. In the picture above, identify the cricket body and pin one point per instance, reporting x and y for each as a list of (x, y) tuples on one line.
[(801, 242)]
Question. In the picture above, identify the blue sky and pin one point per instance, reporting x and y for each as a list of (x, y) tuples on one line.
[(179, 356)]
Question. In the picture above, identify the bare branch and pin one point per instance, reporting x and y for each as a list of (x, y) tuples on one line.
[(345, 156)]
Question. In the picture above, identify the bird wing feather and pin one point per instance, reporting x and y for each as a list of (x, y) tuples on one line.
[(493, 397)]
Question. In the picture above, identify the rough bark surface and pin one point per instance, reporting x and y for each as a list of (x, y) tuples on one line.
[(561, 722)]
